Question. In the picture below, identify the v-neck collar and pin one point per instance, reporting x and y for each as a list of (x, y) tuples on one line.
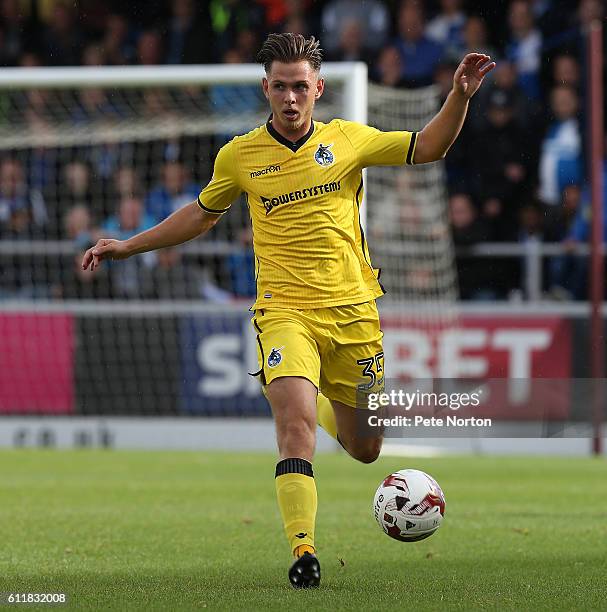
[(293, 146)]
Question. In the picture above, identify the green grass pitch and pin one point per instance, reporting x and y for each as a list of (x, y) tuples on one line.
[(179, 530)]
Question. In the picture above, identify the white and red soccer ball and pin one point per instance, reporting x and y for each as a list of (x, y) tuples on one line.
[(409, 505)]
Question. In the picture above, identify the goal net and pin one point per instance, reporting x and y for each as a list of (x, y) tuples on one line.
[(89, 152), (407, 218)]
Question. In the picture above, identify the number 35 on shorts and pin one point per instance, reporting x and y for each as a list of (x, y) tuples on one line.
[(372, 370)]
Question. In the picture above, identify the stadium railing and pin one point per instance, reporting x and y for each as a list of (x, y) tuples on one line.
[(531, 255)]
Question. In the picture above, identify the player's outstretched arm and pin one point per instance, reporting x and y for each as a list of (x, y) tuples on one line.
[(434, 140), (183, 225)]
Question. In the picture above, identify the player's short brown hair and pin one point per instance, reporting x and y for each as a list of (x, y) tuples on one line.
[(289, 48)]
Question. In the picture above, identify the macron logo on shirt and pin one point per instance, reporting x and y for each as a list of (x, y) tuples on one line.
[(268, 170)]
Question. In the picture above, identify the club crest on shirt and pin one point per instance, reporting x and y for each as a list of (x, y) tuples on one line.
[(274, 358), (323, 156)]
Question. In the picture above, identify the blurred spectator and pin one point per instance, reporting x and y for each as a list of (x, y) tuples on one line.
[(447, 28), (34, 107), (79, 284), (156, 101), (93, 105), (247, 45), (499, 166), (129, 220), (420, 55), (78, 226), (525, 46), (118, 45), (528, 114), (172, 278), (402, 212), (475, 38), (30, 60), (175, 191), (106, 157), (566, 71), (17, 32), (19, 224), (531, 222), (388, 69), (467, 229), (296, 24), (23, 212), (149, 48), (93, 55), (569, 272), (62, 40), (558, 219), (77, 189), (298, 18), (232, 17), (560, 160), (372, 15), (571, 203), (570, 38), (551, 16), (589, 11), (92, 17), (279, 12), (23, 217), (188, 39), (126, 183), (241, 266), (351, 46)]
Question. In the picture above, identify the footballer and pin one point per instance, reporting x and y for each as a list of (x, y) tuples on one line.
[(317, 324)]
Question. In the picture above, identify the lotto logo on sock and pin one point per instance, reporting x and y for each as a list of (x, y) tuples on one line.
[(274, 358)]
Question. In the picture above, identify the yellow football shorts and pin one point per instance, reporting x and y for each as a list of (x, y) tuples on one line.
[(338, 349)]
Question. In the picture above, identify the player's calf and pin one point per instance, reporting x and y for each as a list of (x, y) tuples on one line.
[(357, 441), (363, 450)]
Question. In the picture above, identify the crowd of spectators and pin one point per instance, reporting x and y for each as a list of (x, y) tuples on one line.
[(516, 173)]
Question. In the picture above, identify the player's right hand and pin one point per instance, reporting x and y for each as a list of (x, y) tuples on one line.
[(106, 248)]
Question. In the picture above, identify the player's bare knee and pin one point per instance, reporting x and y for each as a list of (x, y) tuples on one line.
[(297, 435), (296, 439)]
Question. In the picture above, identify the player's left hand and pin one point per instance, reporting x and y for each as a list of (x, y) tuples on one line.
[(470, 73)]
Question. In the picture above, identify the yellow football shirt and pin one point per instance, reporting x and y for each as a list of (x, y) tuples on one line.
[(304, 199)]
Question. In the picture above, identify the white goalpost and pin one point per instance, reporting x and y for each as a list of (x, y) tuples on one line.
[(349, 102)]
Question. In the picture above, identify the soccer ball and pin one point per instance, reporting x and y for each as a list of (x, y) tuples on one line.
[(409, 505)]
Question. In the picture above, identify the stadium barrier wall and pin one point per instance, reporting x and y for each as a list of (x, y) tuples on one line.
[(197, 362)]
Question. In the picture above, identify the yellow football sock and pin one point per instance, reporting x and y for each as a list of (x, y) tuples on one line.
[(325, 415), (297, 500), (303, 548)]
